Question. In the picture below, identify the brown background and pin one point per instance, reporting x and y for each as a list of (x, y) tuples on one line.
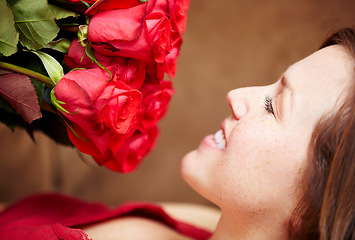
[(227, 44)]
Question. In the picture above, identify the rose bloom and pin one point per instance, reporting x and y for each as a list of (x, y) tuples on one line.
[(169, 66), (148, 31), (76, 57), (100, 111), (128, 70), (178, 17), (131, 153), (156, 98), (141, 32)]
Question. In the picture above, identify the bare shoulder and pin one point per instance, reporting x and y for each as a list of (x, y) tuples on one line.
[(131, 228), (199, 215)]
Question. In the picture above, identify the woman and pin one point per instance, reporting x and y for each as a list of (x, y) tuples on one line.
[(281, 167), (297, 151)]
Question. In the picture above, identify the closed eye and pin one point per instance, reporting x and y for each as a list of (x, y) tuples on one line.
[(268, 105)]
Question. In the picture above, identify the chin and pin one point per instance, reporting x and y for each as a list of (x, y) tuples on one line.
[(195, 170), (186, 166)]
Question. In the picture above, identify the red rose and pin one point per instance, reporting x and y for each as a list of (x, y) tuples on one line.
[(76, 57), (156, 98), (159, 29), (112, 115), (154, 72), (132, 72), (169, 65), (132, 32), (131, 153), (178, 9), (128, 70), (99, 109)]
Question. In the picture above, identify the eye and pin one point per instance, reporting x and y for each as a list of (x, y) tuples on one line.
[(268, 105)]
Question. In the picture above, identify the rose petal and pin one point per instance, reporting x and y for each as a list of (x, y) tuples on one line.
[(76, 57), (121, 24), (138, 49), (92, 81), (117, 107), (76, 102), (82, 142), (133, 150)]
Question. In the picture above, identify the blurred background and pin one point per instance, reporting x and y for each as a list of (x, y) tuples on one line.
[(227, 44)]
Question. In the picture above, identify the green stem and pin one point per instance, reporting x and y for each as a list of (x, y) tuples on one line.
[(44, 79)]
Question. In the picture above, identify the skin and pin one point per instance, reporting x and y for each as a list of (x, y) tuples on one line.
[(132, 228), (254, 180)]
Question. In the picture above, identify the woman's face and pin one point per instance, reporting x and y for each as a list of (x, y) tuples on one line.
[(252, 168)]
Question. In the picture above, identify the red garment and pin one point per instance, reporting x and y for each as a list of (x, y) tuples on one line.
[(57, 217)]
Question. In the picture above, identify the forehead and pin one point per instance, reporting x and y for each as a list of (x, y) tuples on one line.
[(329, 69), (319, 82)]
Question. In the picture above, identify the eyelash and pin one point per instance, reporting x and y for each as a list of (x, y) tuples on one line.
[(268, 105)]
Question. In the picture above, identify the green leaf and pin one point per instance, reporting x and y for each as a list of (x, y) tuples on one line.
[(83, 33), (34, 20), (61, 13), (60, 45), (39, 87), (53, 67), (8, 34)]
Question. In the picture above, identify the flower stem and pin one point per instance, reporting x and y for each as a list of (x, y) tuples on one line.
[(44, 79)]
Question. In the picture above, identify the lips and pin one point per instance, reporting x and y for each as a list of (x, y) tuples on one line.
[(220, 139)]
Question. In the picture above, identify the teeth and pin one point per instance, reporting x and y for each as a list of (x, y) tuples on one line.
[(220, 140)]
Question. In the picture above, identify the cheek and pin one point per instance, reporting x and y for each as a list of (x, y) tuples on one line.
[(259, 167)]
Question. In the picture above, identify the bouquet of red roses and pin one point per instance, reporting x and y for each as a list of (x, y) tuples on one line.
[(94, 68)]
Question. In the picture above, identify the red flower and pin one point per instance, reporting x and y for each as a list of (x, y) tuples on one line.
[(156, 98), (114, 117), (128, 70), (178, 9), (76, 57), (169, 65), (100, 110), (131, 153), (132, 32)]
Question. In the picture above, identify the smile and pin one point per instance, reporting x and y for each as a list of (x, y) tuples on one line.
[(220, 140)]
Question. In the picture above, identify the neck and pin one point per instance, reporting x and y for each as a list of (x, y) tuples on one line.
[(252, 228)]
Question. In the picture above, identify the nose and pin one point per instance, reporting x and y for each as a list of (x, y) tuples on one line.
[(237, 102)]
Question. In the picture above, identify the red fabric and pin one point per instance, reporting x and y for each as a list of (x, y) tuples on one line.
[(57, 217)]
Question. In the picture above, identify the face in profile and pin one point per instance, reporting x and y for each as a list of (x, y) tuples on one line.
[(252, 166)]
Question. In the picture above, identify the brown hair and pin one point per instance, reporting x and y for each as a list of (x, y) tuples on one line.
[(327, 209)]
